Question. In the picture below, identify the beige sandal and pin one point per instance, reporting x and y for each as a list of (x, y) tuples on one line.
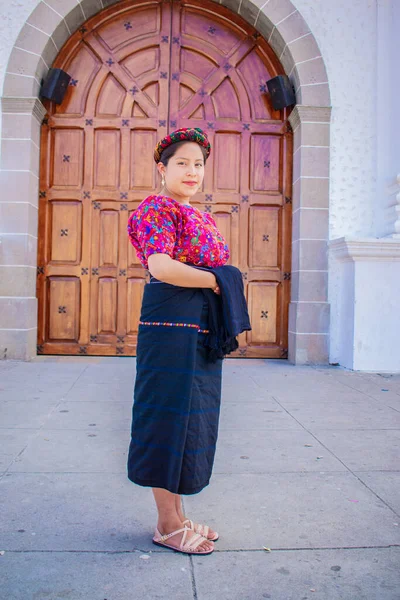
[(202, 529), (188, 548)]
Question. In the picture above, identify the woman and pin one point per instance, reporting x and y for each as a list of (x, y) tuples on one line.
[(177, 389)]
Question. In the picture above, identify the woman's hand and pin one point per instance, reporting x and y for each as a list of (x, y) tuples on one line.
[(215, 287)]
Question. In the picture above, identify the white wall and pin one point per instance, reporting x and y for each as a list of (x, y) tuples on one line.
[(388, 142), (346, 34), (376, 340)]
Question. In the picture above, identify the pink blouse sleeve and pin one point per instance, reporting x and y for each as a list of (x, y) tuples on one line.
[(152, 228)]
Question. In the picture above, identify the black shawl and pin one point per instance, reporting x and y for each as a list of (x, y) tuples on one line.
[(228, 313)]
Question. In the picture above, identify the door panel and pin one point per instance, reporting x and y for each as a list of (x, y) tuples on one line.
[(138, 73), (63, 300)]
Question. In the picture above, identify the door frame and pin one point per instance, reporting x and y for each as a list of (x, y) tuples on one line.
[(40, 40)]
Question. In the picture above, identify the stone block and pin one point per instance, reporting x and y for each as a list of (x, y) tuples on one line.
[(312, 71), (292, 27), (18, 344), (309, 317), (312, 134), (277, 10), (295, 81), (44, 18), (310, 223), (20, 155), (32, 39), (311, 193), (309, 286), (309, 255), (50, 52), (287, 61), (75, 18), (314, 95), (60, 34), (17, 86), (25, 63), (18, 313), (277, 42), (16, 280), (19, 186), (302, 49), (18, 218), (62, 7), (308, 349), (91, 7), (249, 11), (311, 162), (264, 25), (20, 126)]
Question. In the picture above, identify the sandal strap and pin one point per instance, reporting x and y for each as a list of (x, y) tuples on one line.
[(202, 529), (191, 524), (168, 535), (198, 528), (194, 541)]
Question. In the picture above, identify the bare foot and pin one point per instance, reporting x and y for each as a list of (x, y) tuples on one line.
[(175, 540)]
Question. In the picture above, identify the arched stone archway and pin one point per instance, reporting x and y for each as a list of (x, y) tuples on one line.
[(38, 43)]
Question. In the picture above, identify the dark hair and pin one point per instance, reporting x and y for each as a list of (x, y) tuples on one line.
[(171, 150)]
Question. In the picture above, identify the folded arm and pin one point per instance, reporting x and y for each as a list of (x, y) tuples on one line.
[(169, 270)]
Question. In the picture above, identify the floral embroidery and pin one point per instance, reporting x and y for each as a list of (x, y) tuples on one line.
[(175, 325), (162, 225)]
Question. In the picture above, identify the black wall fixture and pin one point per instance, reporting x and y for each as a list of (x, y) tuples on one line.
[(55, 85), (281, 91)]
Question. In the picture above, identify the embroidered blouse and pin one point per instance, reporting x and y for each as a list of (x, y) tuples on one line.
[(162, 224)]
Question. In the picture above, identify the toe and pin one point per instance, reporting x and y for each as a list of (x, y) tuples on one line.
[(202, 548), (207, 545), (210, 533)]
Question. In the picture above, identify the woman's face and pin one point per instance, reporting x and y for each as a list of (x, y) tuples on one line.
[(185, 172)]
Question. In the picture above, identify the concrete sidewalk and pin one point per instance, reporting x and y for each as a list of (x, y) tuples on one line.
[(307, 464)]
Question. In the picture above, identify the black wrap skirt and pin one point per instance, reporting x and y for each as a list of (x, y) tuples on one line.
[(177, 392)]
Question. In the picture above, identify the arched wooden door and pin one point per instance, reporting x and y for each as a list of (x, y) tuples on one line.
[(138, 72)]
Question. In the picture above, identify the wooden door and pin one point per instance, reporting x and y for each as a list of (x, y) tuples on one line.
[(138, 72)]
